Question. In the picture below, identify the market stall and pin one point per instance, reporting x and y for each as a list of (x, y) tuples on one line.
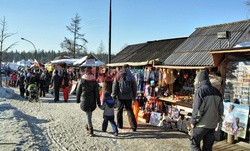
[(236, 92)]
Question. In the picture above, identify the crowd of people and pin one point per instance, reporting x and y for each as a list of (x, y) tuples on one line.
[(42, 79), (119, 88)]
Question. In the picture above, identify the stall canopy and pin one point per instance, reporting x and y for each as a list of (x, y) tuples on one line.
[(66, 61), (90, 60), (151, 52), (80, 61), (195, 50), (92, 63)]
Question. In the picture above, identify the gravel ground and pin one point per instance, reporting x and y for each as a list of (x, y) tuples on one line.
[(46, 125)]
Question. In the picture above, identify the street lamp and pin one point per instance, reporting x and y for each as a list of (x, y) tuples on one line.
[(32, 44)]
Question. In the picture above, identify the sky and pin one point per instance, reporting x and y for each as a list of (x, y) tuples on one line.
[(43, 22)]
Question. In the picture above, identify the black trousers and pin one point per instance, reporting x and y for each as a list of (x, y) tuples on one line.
[(42, 92), (205, 134), (22, 90), (131, 116), (56, 93)]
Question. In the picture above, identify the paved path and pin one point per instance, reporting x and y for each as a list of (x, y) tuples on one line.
[(60, 126)]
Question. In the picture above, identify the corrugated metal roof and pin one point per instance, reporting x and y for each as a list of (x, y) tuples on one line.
[(195, 50), (159, 49), (127, 53)]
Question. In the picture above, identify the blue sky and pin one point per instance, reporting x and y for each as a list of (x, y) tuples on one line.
[(133, 21)]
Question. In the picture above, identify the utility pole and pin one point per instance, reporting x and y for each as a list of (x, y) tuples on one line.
[(110, 22)]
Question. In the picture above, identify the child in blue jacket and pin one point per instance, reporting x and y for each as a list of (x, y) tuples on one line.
[(108, 114)]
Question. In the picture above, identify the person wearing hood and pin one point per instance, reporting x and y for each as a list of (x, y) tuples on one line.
[(88, 96), (21, 84), (108, 106), (207, 112), (124, 90)]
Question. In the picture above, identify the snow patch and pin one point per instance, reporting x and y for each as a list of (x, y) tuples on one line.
[(8, 93), (243, 44)]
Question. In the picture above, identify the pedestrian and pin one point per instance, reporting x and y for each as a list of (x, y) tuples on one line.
[(21, 84), (14, 79), (65, 86), (124, 90), (56, 83), (207, 112), (42, 85), (88, 96), (27, 80), (108, 104), (47, 79)]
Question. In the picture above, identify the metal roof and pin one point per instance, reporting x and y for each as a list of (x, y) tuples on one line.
[(159, 49), (195, 50)]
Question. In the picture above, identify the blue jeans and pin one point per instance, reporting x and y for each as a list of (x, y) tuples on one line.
[(89, 118), (110, 119)]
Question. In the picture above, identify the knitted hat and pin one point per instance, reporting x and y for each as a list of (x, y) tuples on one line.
[(203, 75)]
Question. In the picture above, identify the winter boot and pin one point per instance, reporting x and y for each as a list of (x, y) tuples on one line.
[(86, 127), (91, 131)]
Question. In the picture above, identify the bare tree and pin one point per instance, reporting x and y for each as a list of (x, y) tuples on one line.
[(72, 45), (101, 51), (248, 3), (101, 48), (3, 36)]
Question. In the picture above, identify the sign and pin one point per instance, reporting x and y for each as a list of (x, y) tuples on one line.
[(235, 119)]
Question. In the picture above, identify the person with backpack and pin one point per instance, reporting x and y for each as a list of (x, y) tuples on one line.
[(124, 90), (107, 105)]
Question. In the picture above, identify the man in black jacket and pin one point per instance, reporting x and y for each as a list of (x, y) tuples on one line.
[(56, 82), (207, 111), (124, 89)]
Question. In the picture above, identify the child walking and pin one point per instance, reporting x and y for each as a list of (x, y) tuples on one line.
[(108, 114)]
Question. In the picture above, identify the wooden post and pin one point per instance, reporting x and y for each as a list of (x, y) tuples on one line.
[(230, 139)]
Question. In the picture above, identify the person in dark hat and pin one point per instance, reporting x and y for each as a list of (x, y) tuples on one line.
[(207, 112)]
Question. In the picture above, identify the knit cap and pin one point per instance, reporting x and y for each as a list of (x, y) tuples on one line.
[(203, 75)]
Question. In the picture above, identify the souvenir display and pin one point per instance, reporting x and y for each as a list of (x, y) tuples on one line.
[(238, 82)]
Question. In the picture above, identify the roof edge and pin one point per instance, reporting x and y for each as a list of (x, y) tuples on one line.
[(220, 25)]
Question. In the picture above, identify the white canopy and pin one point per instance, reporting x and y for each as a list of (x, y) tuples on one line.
[(95, 63), (67, 61), (80, 61)]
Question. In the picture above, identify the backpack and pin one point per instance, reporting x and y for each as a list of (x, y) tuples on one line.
[(124, 84)]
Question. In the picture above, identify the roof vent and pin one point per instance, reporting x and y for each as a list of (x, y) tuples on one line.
[(223, 35)]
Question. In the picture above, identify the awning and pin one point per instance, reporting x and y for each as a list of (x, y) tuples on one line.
[(219, 55), (144, 63), (243, 50), (182, 67)]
